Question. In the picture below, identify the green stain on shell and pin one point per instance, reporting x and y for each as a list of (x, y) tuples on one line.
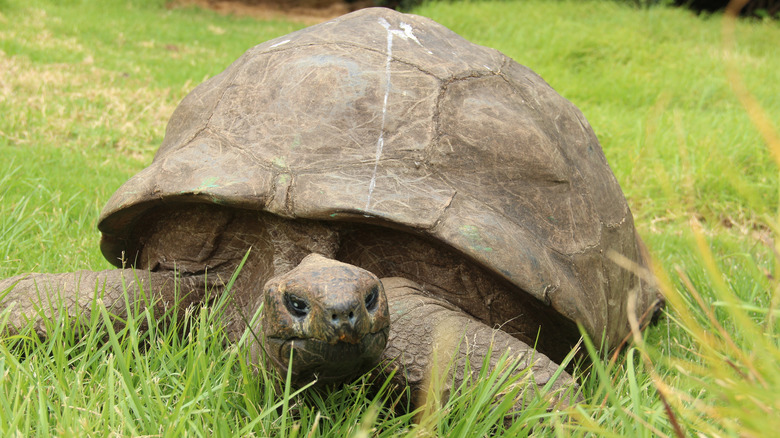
[(280, 162), (474, 239), (208, 183)]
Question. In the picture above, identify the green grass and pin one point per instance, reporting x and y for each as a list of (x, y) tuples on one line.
[(86, 89)]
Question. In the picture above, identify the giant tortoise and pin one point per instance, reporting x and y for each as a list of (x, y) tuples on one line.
[(396, 192)]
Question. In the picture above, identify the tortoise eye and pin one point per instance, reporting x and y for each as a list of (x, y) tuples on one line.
[(295, 305), (372, 298)]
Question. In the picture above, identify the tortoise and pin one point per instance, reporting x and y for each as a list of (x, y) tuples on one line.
[(391, 192)]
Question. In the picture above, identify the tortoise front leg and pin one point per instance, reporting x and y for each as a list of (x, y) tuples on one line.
[(38, 298), (431, 343)]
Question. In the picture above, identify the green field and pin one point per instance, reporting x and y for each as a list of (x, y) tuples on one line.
[(686, 117)]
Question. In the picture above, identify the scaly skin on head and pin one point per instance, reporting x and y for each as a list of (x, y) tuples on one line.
[(333, 316)]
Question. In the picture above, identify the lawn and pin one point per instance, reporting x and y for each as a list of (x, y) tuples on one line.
[(686, 118)]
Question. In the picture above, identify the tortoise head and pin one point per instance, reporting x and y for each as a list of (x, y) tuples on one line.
[(333, 316)]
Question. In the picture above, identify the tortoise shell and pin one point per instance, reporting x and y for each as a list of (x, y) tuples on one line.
[(393, 119)]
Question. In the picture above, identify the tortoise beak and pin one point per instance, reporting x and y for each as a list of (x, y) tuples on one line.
[(327, 363), (349, 338)]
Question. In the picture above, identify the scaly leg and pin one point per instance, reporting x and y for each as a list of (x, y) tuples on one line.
[(431, 342), (36, 298)]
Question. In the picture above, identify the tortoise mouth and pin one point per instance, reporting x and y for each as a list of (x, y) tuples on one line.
[(325, 362)]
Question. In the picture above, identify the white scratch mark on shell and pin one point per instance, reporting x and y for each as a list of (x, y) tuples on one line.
[(280, 43), (380, 143), (406, 33)]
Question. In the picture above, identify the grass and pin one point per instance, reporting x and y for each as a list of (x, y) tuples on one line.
[(86, 89)]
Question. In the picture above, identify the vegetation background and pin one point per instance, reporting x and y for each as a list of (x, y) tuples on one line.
[(686, 107)]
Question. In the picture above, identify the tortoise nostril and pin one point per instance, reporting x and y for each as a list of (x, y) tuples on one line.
[(343, 317)]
